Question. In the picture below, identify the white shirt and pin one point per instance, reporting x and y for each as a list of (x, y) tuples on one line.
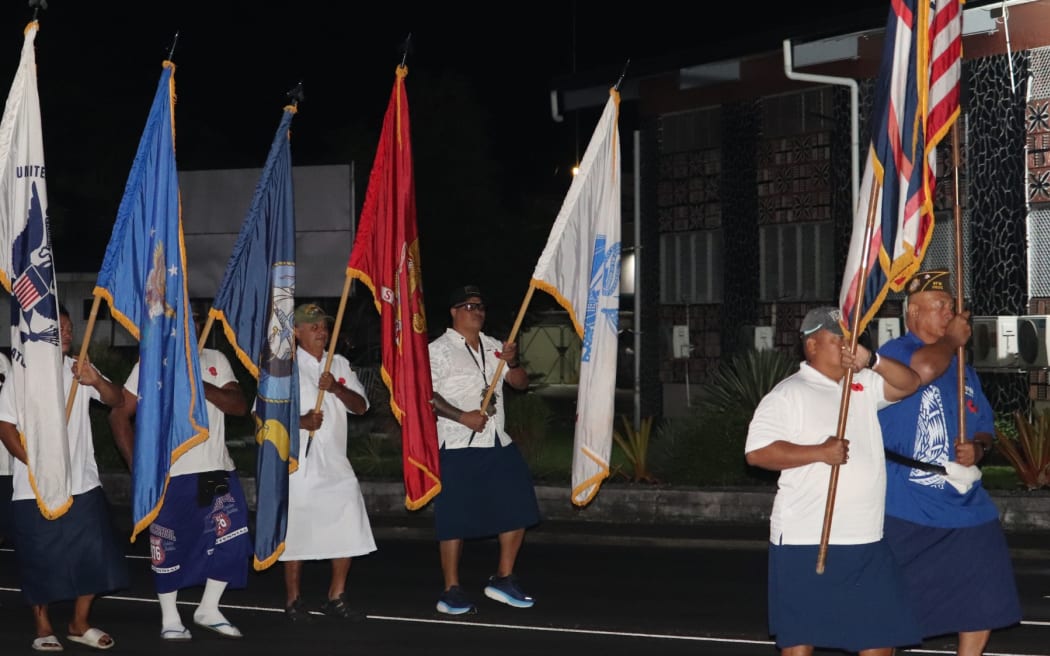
[(804, 409), (461, 376), (211, 454), (82, 466), (328, 454)]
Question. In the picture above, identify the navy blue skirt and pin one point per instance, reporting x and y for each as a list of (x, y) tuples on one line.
[(484, 492), (5, 507), (858, 603), (960, 579), (65, 558)]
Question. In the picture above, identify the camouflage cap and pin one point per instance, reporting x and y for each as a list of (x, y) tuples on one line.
[(310, 313)]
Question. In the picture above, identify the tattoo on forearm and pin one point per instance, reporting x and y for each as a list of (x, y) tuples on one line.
[(443, 408)]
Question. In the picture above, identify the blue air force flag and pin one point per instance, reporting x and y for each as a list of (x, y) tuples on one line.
[(27, 271), (580, 267), (143, 277)]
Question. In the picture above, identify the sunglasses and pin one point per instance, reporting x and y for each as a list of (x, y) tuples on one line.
[(471, 307)]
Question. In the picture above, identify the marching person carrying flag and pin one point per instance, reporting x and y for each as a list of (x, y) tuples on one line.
[(82, 540), (200, 536), (486, 487), (327, 516), (859, 604), (943, 527)]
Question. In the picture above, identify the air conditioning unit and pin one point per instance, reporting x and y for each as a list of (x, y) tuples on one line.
[(884, 329), (995, 342), (763, 338), (759, 337), (1032, 340), (680, 346)]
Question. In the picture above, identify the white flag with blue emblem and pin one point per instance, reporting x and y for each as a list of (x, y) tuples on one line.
[(27, 271), (580, 267)]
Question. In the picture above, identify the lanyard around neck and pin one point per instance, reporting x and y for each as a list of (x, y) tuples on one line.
[(481, 367)]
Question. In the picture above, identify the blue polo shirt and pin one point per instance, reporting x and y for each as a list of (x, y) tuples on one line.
[(923, 427)]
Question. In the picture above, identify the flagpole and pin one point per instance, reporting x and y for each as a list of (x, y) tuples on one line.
[(960, 351), (83, 354), (840, 432), (510, 338), (203, 339), (332, 341)]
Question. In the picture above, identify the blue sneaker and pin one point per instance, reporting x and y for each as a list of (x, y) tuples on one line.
[(505, 589), (454, 602)]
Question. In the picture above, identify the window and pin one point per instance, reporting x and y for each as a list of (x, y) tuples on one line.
[(691, 267), (796, 262)]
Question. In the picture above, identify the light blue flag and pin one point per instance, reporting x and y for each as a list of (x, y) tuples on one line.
[(143, 277), (256, 303)]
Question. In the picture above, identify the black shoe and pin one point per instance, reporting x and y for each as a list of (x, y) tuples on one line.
[(297, 612), (339, 608)]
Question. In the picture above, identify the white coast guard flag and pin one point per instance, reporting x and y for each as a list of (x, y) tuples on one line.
[(27, 271), (580, 267)]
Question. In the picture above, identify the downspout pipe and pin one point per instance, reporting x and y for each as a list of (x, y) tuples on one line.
[(854, 103)]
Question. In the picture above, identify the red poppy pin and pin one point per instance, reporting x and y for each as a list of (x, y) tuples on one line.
[(213, 371), (857, 387), (971, 406), (498, 354), (342, 381)]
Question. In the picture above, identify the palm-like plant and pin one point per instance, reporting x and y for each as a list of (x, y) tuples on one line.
[(740, 382), (635, 446), (1029, 452)]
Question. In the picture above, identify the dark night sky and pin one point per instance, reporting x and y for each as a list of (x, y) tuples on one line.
[(488, 154)]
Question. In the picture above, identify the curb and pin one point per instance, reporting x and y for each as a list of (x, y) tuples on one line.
[(645, 511)]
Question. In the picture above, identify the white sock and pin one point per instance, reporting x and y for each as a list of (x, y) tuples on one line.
[(169, 611), (208, 610)]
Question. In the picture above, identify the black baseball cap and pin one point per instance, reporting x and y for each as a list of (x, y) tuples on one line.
[(461, 294)]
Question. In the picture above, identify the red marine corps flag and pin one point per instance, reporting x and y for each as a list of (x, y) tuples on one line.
[(385, 257)]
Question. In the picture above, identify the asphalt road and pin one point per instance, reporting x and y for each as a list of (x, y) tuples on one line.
[(599, 592)]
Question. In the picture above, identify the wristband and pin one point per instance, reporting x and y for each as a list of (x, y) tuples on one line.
[(513, 366), (873, 360)]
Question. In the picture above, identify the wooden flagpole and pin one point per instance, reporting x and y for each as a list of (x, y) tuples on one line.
[(83, 354), (510, 338), (960, 280), (333, 339), (203, 338), (840, 433)]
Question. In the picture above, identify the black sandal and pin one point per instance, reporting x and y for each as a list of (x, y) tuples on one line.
[(339, 608), (297, 612)]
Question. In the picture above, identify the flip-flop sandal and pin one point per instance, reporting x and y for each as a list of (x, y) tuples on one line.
[(224, 629), (92, 638), (176, 635), (47, 643)]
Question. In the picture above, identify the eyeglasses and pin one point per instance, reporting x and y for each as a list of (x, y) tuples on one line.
[(470, 307)]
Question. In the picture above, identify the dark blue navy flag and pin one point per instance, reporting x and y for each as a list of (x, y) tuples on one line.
[(256, 302), (143, 277)]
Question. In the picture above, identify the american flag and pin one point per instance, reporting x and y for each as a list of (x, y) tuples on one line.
[(29, 288), (916, 103)]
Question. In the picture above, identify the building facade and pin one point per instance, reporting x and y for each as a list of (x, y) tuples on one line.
[(746, 203)]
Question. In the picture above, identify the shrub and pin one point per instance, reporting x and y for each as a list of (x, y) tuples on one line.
[(741, 381), (707, 447), (1028, 450), (529, 419)]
